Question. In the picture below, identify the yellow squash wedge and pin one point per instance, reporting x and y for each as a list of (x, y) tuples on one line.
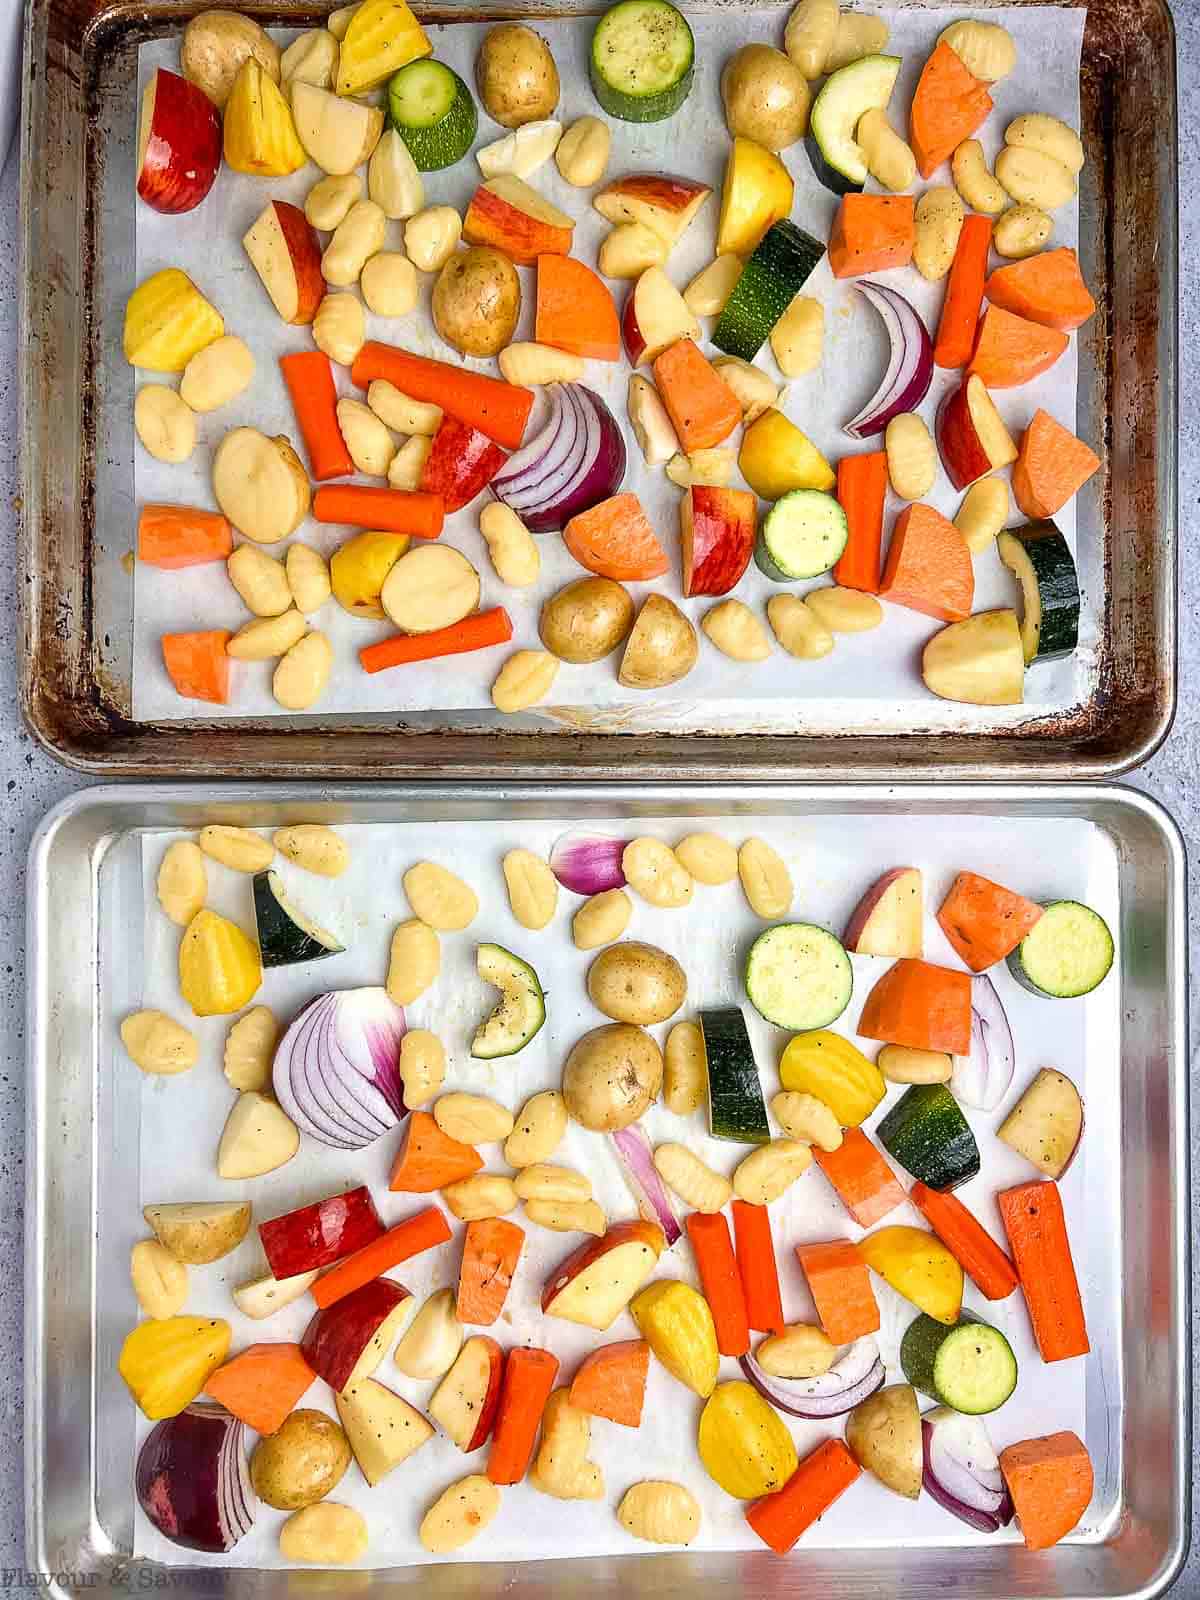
[(676, 1323), (776, 458), (167, 1362), (383, 36), (743, 1444), (167, 321), (758, 191), (219, 966), (918, 1266), (260, 135), (831, 1068)]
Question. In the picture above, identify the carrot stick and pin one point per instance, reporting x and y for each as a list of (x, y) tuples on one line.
[(861, 491), (477, 632), (757, 1268), (490, 1255), (309, 378), (496, 408), (1037, 1236), (197, 664), (821, 1477), (840, 1285), (971, 1245), (964, 293), (172, 537), (262, 1384), (611, 1382), (429, 1159), (387, 510), (407, 1238), (1050, 1481), (528, 1379), (719, 1278), (865, 1184)]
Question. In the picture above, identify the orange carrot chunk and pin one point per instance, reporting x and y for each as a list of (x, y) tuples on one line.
[(840, 1285), (309, 378), (701, 405), (964, 293), (477, 632), (528, 1379), (197, 664), (720, 1280), (173, 537), (575, 310), (984, 921), (429, 1159), (409, 1238), (947, 107), (496, 408), (1033, 1219), (757, 1267), (1046, 288), (821, 1477), (611, 1382), (388, 510), (920, 1005), (262, 1384), (871, 233), (1051, 466), (861, 491), (1050, 1481), (490, 1255), (929, 566), (1010, 351), (865, 1184), (967, 1240), (615, 539)]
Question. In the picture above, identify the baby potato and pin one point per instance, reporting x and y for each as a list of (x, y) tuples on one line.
[(476, 301), (662, 647), (215, 45), (586, 620), (765, 96), (611, 1075), (301, 1462), (634, 982), (516, 75)]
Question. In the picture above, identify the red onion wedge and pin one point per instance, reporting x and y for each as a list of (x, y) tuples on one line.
[(336, 1071), (637, 1158), (577, 460), (982, 1079), (192, 1481), (961, 1471), (588, 863), (910, 365), (847, 1383)]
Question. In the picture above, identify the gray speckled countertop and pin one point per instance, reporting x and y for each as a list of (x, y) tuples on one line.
[(30, 782)]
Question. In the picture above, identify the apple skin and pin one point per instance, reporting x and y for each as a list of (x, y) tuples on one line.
[(461, 464), (722, 538), (338, 1334), (631, 333), (316, 1235), (962, 447), (182, 145), (660, 200), (491, 1397), (491, 219), (876, 897), (592, 1250), (304, 252)]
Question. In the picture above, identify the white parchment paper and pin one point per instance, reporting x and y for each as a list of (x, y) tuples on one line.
[(832, 860), (870, 677)]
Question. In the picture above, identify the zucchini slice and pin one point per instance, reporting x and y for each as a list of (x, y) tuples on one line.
[(1038, 557), (431, 109), (286, 936), (928, 1135), (801, 536), (642, 60), (1067, 952), (798, 976), (969, 1366), (521, 1010), (735, 1098), (864, 85), (778, 268)]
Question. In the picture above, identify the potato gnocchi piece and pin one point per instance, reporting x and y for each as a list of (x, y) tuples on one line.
[(260, 580), (807, 1119), (217, 374), (389, 284), (314, 847), (302, 675), (858, 34), (766, 881), (165, 423), (986, 49), (1022, 231), (401, 414), (370, 445), (158, 1044), (798, 628), (472, 1118), (939, 220), (693, 1180), (601, 919), (486, 1194), (514, 554), (543, 1181), (905, 1064), (583, 151), (889, 159), (845, 610), (983, 513), (524, 679), (567, 1216), (631, 249), (340, 328), (330, 199), (1051, 136), (708, 858), (308, 577), (326, 1534), (654, 872), (736, 631), (250, 1050), (357, 237), (685, 1070), (459, 1514), (408, 464), (266, 638), (809, 35), (799, 1351), (182, 882), (532, 889), (239, 848), (414, 962), (974, 180), (530, 365), (440, 899), (771, 1170), (537, 1129), (561, 1467), (911, 456), (422, 1066), (1033, 178), (660, 1512)]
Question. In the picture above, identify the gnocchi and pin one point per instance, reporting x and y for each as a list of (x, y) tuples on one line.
[(158, 1044), (307, 576), (798, 628), (983, 513), (165, 423), (537, 1130), (685, 1069), (736, 631), (370, 446), (583, 151), (567, 1216), (901, 1063), (889, 158), (974, 181), (389, 284), (314, 847), (268, 637), (542, 1181), (708, 858), (858, 34), (986, 49), (660, 1512), (487, 1194), (561, 1466), (601, 919), (1021, 231), (408, 463), (766, 881), (217, 374), (422, 1065), (414, 962), (845, 610), (524, 679), (653, 871), (693, 1180), (250, 1051), (1034, 178), (327, 1534), (529, 365), (1051, 136), (770, 1171), (472, 1118), (440, 898), (532, 888), (239, 848), (330, 199), (301, 677), (431, 237), (511, 546), (631, 249), (799, 1351), (356, 239), (340, 328), (911, 456), (182, 882), (809, 35), (260, 580), (804, 1117), (797, 338), (459, 1514), (939, 220), (400, 413)]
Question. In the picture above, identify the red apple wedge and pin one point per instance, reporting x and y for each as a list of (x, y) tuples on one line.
[(179, 144), (716, 535), (596, 1282), (383, 1429), (888, 920), (971, 435), (345, 1342), (286, 253), (658, 199), (655, 316), (321, 1233), (509, 215), (464, 1403)]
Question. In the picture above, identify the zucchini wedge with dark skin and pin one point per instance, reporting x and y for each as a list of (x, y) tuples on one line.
[(521, 1010), (864, 85), (777, 269), (1040, 559), (735, 1099), (928, 1135), (286, 936)]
